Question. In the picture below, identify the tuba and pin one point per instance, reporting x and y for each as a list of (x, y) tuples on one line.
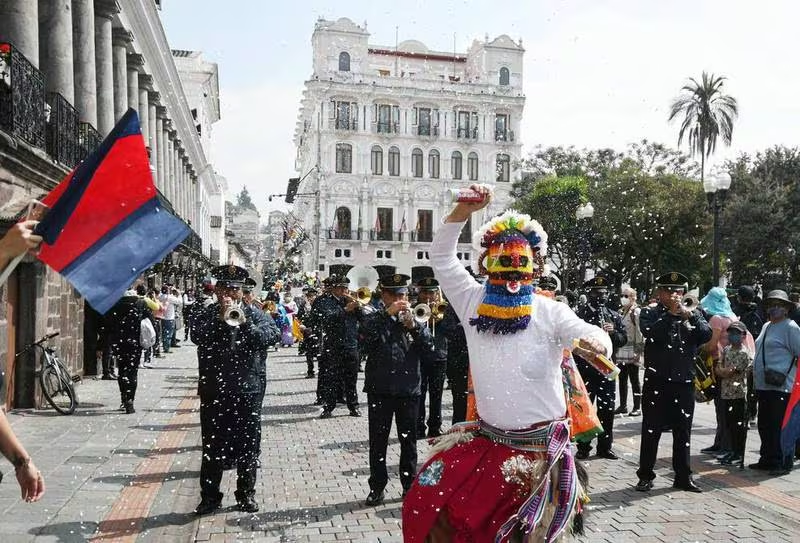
[(362, 277), (364, 295)]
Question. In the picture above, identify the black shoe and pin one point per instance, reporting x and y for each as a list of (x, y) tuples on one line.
[(761, 467), (779, 472), (355, 413), (730, 459), (635, 413), (621, 410), (318, 402), (711, 450), (608, 455), (310, 375), (405, 491), (688, 486), (434, 433), (206, 507), (644, 486), (248, 505), (582, 455), (326, 414), (723, 454), (374, 498), (129, 408)]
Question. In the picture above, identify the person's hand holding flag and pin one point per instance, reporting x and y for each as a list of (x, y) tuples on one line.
[(19, 239)]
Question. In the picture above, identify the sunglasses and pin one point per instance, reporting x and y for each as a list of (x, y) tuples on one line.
[(506, 261)]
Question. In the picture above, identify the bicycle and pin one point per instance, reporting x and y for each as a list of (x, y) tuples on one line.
[(54, 377)]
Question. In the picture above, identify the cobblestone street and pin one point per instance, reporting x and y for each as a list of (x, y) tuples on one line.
[(116, 477)]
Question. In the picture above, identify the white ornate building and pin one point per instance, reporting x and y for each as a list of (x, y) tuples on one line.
[(385, 131)]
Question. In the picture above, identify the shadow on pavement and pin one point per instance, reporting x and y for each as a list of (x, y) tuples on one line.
[(70, 532), (129, 479), (276, 522), (290, 409), (66, 532), (166, 427), (148, 453)]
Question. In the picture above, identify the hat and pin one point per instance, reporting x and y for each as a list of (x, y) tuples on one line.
[(548, 282), (672, 279), (229, 276), (746, 293), (739, 326), (427, 283), (596, 283), (335, 281), (310, 290), (249, 284), (397, 283), (779, 295)]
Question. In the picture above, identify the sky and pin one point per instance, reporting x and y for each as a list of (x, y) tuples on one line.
[(597, 73)]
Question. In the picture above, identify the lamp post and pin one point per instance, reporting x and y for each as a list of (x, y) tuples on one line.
[(716, 188), (584, 213)]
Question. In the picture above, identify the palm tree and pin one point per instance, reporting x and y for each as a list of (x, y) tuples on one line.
[(707, 114)]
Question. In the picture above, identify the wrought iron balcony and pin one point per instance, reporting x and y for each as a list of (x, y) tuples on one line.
[(343, 233), (346, 124), (62, 130), (385, 235), (467, 133), (388, 127), (504, 135), (22, 109), (422, 235), (88, 140)]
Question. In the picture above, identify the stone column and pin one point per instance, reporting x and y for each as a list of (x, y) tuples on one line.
[(159, 154), (145, 87), (171, 167), (19, 25), (55, 52), (83, 53), (120, 39), (104, 10), (135, 64)]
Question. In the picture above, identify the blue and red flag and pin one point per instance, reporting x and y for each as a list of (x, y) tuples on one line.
[(106, 224), (790, 429)]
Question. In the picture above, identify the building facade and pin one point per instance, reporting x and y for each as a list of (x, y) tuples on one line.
[(69, 69), (384, 133)]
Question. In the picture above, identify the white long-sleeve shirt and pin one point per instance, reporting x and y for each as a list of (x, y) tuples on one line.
[(517, 377), (169, 302)]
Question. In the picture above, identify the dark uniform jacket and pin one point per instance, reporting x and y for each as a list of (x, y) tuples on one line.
[(601, 314), (440, 344), (393, 355), (274, 335), (670, 344), (229, 358), (122, 324), (451, 328), (336, 328)]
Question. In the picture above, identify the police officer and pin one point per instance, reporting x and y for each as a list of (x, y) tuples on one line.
[(249, 298), (309, 345), (672, 335), (338, 315), (600, 389), (457, 362), (394, 342), (228, 362), (433, 366)]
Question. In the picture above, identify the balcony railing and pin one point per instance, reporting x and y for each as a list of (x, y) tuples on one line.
[(388, 128), (346, 124), (88, 140), (62, 130), (385, 235), (421, 235), (22, 110), (504, 135), (468, 133), (334, 233), (427, 130)]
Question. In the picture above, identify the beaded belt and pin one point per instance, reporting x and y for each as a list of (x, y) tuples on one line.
[(532, 439)]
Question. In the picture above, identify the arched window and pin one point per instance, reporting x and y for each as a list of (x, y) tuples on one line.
[(394, 161), (343, 223), (377, 160), (344, 61), (344, 158), (416, 163), (472, 166), (504, 75), (503, 168), (455, 165), (433, 164)]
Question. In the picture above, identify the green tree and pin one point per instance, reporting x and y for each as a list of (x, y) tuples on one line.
[(706, 114), (243, 200)]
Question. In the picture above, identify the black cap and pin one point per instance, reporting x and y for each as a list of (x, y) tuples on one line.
[(336, 281), (672, 280), (746, 293), (249, 284), (427, 283), (596, 283), (310, 290), (548, 282), (738, 325), (397, 282), (230, 276)]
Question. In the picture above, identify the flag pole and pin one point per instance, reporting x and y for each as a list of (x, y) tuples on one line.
[(10, 268), (36, 210)]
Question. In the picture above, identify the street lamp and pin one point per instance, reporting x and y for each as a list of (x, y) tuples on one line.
[(583, 214), (716, 187)]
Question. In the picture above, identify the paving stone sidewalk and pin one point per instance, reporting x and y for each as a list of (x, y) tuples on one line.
[(116, 477)]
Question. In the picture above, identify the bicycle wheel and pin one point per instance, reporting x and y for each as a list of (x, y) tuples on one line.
[(57, 390)]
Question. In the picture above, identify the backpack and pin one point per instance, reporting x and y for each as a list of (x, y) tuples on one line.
[(753, 322)]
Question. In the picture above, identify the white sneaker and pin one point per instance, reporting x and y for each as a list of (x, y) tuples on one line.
[(147, 365)]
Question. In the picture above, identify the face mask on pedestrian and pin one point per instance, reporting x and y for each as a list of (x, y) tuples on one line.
[(776, 312), (624, 301), (734, 338)]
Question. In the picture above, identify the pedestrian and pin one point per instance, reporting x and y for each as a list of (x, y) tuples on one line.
[(290, 308), (433, 364), (169, 301), (187, 307), (736, 361), (104, 350), (339, 316), (158, 319), (479, 483), (394, 343), (629, 356), (229, 389), (673, 334), (150, 307), (310, 343), (29, 478), (775, 372), (123, 330), (751, 315), (716, 304), (601, 391)]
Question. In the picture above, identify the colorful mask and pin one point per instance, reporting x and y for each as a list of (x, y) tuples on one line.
[(513, 258)]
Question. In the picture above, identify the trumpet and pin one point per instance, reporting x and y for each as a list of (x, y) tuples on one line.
[(690, 302), (422, 313), (437, 310), (234, 315)]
